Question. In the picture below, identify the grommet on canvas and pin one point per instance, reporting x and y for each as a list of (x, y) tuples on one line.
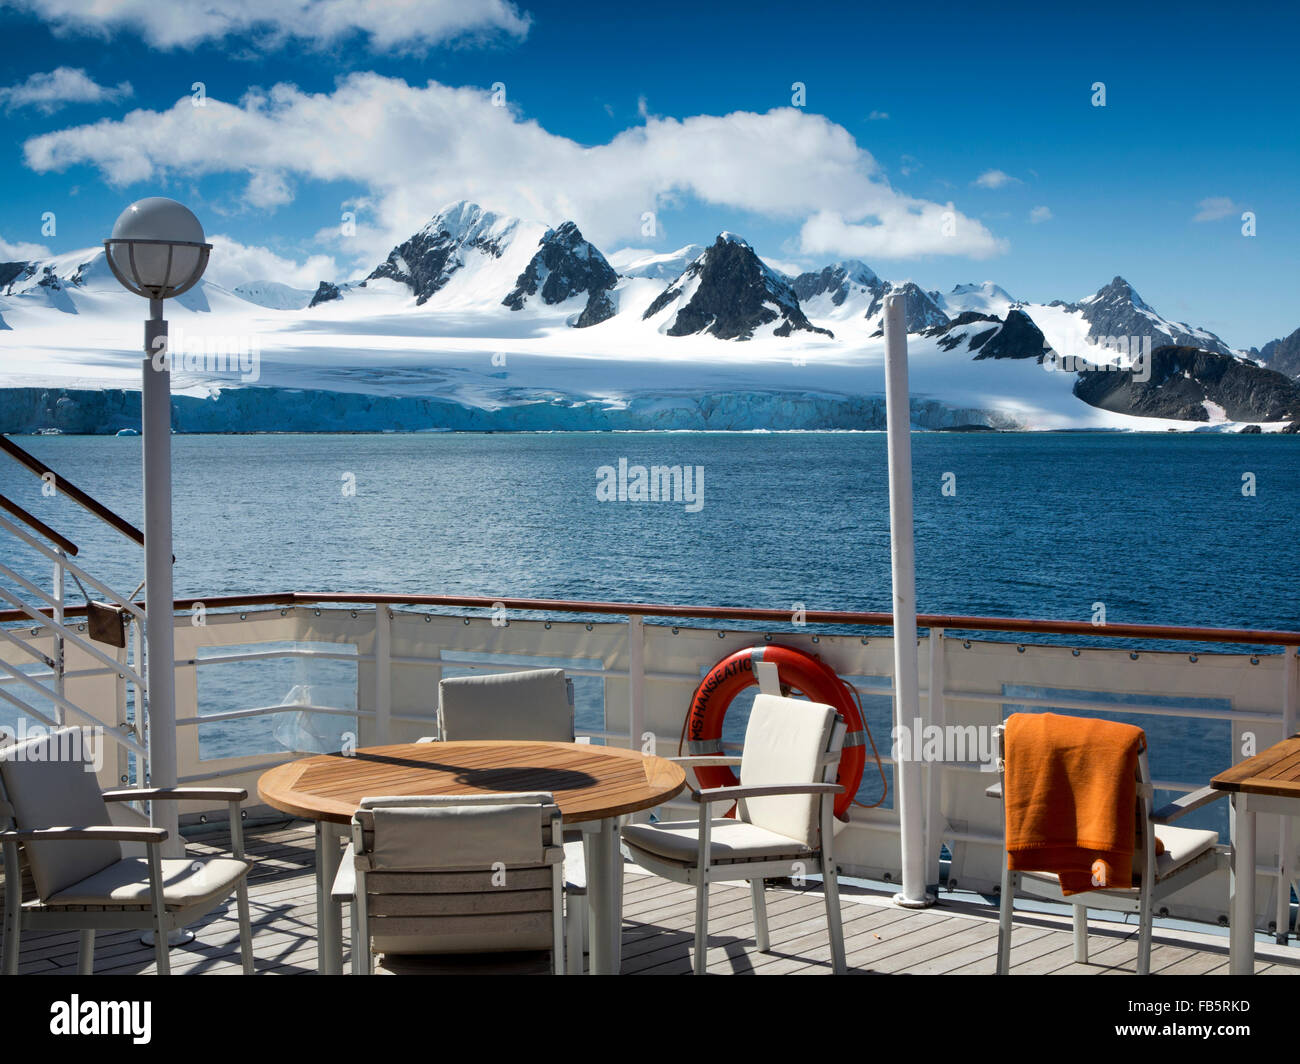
[(547, 626), (1133, 654), (1075, 652), (465, 619)]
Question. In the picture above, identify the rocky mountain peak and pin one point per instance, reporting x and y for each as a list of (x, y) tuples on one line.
[(564, 266), (428, 259), (729, 292)]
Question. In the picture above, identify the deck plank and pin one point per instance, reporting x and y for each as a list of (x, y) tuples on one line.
[(956, 937)]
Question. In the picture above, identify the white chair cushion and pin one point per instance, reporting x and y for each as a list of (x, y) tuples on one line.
[(785, 742), (186, 882), (531, 705), (730, 841), (1182, 846), (48, 788)]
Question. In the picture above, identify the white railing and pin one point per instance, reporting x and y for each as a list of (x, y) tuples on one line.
[(636, 679), (79, 681)]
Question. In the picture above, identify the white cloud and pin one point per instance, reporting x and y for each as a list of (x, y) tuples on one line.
[(413, 149), (22, 251), (61, 86), (995, 179), (1040, 214), (233, 263), (878, 116), (388, 24), (900, 231), (1213, 208)]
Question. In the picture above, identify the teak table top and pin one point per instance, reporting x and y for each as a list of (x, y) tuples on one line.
[(588, 782), (1275, 771)]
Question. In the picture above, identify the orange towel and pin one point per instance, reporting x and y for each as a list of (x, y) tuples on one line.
[(1071, 793)]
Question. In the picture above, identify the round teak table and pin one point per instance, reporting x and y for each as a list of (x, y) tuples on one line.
[(592, 785)]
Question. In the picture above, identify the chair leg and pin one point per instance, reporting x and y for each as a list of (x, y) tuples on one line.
[(160, 943), (245, 927), (575, 921), (1144, 934), (834, 923), (13, 907), (86, 952), (1010, 881), (702, 923), (1080, 934), (761, 939), (557, 919)]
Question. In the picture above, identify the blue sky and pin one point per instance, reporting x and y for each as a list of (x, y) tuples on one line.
[(607, 115)]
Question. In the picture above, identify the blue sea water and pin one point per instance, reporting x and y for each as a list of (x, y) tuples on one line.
[(1155, 526)]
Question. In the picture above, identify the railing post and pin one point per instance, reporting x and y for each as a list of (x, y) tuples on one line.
[(383, 673), (635, 680), (1285, 871), (934, 770), (59, 648)]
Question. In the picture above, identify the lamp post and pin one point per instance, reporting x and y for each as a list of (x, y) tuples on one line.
[(157, 251)]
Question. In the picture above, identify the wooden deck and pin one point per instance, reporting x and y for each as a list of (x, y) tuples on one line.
[(956, 937)]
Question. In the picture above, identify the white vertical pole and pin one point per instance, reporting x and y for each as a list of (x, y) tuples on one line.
[(635, 680), (161, 679), (60, 651), (1285, 870), (934, 772), (383, 674), (908, 779)]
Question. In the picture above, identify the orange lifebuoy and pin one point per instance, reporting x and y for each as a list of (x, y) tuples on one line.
[(796, 669)]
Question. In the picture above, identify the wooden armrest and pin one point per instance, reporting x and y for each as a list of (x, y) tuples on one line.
[(97, 833), (704, 761), (729, 794), (345, 882), (1180, 807), (176, 794), (994, 790)]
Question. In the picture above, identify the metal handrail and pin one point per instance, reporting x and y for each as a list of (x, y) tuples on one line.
[(81, 498), (1036, 626), (37, 525)]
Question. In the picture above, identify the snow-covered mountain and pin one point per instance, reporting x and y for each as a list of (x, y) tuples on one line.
[(483, 320), (986, 298), (658, 266), (1117, 310), (730, 293), (273, 295), (564, 267), (465, 247)]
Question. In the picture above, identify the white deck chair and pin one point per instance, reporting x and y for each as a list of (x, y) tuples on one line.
[(1189, 855), (534, 704), (783, 824), (60, 820), (455, 874)]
